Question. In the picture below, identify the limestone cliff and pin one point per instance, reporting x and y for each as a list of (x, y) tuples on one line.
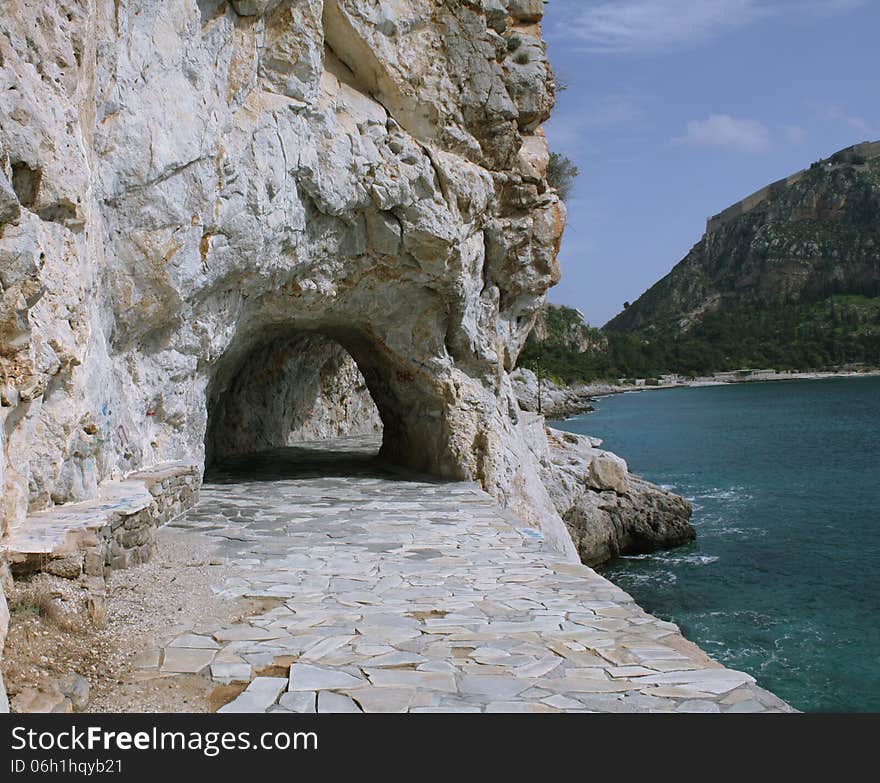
[(187, 188), (191, 190)]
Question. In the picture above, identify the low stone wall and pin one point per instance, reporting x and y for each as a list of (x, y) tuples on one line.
[(131, 540), (90, 540), (115, 531)]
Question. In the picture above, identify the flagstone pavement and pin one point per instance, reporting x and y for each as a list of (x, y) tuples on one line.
[(399, 593)]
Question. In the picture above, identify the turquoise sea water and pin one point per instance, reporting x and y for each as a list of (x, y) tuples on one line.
[(784, 579)]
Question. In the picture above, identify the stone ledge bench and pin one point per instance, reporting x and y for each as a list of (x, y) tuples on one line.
[(116, 530)]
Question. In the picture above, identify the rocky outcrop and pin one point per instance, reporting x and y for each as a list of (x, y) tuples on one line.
[(605, 523), (553, 401), (607, 510), (183, 184)]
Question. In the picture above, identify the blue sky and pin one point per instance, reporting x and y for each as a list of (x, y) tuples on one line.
[(676, 109)]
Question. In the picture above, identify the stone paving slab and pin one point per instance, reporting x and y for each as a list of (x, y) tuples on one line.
[(398, 593), (260, 694)]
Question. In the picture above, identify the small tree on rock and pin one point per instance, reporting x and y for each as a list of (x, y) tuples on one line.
[(561, 174)]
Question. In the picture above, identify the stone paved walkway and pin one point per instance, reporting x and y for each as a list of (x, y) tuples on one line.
[(399, 594)]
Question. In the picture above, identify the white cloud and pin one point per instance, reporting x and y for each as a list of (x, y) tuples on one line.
[(641, 26), (726, 132), (650, 25)]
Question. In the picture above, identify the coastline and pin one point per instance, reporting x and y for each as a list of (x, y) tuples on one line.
[(563, 402), (780, 477), (572, 641)]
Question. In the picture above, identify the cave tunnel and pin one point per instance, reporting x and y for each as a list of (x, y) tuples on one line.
[(283, 388)]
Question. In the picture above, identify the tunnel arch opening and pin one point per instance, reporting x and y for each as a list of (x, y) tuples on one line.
[(279, 386)]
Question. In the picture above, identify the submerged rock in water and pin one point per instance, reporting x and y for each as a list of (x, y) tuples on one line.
[(608, 510)]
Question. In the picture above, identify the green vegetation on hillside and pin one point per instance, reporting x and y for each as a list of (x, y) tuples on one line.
[(566, 326), (804, 239), (785, 279), (836, 331), (560, 355), (562, 364)]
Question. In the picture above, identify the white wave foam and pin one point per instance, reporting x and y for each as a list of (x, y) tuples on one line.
[(724, 493), (667, 557), (657, 577), (694, 559)]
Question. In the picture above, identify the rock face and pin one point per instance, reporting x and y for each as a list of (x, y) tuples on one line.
[(608, 511), (191, 191), (556, 402), (4, 628)]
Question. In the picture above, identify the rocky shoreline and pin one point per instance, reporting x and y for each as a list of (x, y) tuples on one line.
[(556, 402), (608, 511), (330, 217)]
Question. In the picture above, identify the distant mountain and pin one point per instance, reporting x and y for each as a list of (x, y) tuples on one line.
[(787, 278)]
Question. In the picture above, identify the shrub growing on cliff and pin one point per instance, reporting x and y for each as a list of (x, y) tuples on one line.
[(561, 174)]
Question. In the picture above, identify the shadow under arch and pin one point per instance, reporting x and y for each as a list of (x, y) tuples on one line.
[(280, 385)]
